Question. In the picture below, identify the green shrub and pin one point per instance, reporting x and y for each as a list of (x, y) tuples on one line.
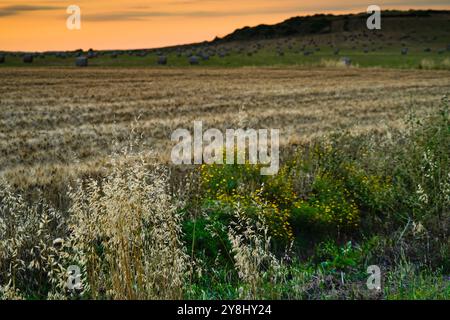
[(206, 237), (328, 207)]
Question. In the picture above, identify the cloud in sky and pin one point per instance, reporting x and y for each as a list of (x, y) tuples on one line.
[(133, 10), (143, 14), (18, 9), (137, 10)]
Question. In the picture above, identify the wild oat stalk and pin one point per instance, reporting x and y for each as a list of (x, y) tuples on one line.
[(29, 256), (126, 234), (254, 262)]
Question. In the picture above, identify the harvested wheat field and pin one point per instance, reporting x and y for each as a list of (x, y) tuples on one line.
[(303, 160), (63, 122)]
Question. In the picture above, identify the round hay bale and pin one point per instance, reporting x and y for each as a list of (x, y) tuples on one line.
[(346, 61), (81, 62), (91, 55), (194, 60), (28, 58), (162, 60)]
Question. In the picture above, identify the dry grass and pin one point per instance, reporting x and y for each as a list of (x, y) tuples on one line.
[(427, 64), (446, 63), (335, 63), (254, 261), (28, 253), (123, 232), (126, 234)]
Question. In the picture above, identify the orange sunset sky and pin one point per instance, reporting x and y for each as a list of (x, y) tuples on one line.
[(36, 25)]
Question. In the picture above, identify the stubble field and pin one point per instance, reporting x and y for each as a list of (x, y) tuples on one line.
[(56, 124)]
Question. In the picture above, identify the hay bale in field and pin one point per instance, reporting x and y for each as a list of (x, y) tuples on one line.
[(91, 54), (194, 60), (405, 51), (162, 60), (81, 61), (2, 58), (346, 61), (28, 58)]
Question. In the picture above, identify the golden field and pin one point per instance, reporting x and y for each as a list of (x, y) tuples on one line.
[(60, 123), (131, 228)]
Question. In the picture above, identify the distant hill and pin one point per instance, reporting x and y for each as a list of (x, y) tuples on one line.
[(401, 21)]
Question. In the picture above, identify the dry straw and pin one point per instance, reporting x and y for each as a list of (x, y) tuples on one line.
[(126, 234), (254, 262)]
